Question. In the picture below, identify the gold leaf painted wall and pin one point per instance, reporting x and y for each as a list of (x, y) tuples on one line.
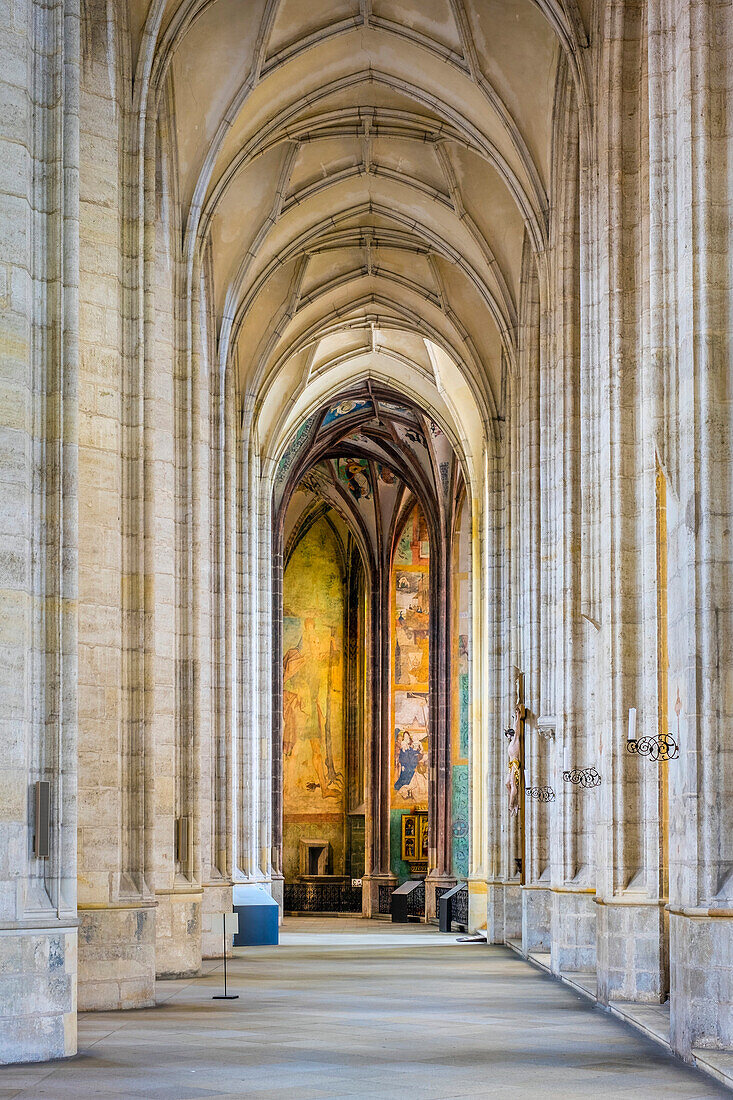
[(313, 711)]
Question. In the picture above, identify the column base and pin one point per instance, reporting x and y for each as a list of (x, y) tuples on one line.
[(432, 883), (495, 912), (178, 933), (630, 952), (503, 911), (512, 911), (573, 925), (536, 918), (277, 889), (701, 982), (116, 958), (477, 904), (370, 893), (37, 994)]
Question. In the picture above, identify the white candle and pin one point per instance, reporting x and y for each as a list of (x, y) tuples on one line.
[(632, 724), (566, 759)]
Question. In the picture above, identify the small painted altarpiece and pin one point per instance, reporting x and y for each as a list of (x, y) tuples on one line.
[(415, 841)]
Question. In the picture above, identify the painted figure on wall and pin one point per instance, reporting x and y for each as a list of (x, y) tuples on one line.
[(412, 626), (410, 670), (411, 758), (312, 669), (307, 705), (355, 472)]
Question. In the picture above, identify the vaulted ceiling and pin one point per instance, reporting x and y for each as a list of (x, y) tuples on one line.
[(361, 176), (369, 458)]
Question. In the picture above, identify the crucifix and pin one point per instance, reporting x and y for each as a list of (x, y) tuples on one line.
[(515, 737)]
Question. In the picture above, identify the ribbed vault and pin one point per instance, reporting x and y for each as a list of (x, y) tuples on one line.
[(358, 167)]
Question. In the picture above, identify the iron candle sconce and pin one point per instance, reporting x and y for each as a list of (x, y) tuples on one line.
[(540, 794), (661, 747), (579, 777)]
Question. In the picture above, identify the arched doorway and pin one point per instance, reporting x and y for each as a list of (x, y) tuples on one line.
[(366, 682)]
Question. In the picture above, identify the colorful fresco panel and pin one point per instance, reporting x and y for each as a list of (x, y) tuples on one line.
[(345, 408), (459, 814), (410, 667), (355, 474), (313, 731)]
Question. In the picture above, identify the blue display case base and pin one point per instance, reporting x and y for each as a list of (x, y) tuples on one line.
[(258, 917)]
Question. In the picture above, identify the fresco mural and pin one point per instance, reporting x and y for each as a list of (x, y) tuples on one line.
[(293, 449), (461, 697), (345, 408), (313, 675), (410, 665), (354, 472)]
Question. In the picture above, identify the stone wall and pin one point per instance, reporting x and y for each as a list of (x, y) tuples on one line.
[(39, 94)]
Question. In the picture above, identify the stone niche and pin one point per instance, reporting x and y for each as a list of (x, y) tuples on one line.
[(315, 860)]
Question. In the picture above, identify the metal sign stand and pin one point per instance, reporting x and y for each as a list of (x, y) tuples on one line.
[(229, 922)]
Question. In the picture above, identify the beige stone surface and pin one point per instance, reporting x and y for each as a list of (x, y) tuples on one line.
[(215, 220)]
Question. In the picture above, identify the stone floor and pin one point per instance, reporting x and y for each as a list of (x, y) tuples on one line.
[(349, 1008)]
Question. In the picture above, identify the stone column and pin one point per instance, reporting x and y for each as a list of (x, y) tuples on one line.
[(39, 92), (379, 741), (441, 640), (573, 813), (214, 537), (697, 51), (116, 905), (535, 889)]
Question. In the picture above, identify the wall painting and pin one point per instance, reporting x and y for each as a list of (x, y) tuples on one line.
[(410, 664), (313, 720)]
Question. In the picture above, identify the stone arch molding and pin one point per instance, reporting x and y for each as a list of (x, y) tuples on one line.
[(272, 432), (439, 387), (482, 121), (449, 182)]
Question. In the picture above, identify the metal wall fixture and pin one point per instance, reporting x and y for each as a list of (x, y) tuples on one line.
[(582, 777), (661, 747), (540, 794)]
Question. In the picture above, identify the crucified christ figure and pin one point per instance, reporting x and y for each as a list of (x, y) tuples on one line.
[(514, 761)]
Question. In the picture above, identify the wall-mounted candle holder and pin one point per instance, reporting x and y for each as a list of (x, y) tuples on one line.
[(582, 777), (661, 747), (540, 794)]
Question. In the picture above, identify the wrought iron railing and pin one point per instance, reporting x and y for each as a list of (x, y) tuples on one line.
[(439, 891), (321, 897), (408, 901), (385, 896), (460, 906), (452, 906)]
